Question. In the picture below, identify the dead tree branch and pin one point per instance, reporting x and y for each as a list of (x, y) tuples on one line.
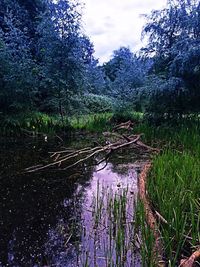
[(125, 125), (190, 262), (80, 156)]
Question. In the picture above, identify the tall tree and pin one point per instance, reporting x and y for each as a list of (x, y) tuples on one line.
[(17, 76), (174, 41), (25, 12), (126, 73), (64, 53)]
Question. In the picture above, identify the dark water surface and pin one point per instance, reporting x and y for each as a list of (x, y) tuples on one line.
[(61, 218)]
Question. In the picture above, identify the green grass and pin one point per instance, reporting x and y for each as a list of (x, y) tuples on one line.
[(173, 187), (103, 121), (37, 123), (111, 228), (33, 123), (126, 115), (41, 123), (93, 122), (146, 236)]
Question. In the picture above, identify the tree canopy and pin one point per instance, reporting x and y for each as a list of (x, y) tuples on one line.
[(47, 62)]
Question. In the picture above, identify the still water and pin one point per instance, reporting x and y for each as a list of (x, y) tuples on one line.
[(79, 217)]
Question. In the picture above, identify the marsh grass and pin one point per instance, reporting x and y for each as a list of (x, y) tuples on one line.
[(93, 122), (109, 238), (145, 236), (33, 123), (37, 123), (173, 188), (126, 115)]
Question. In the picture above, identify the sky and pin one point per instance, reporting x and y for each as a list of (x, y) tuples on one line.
[(111, 24)]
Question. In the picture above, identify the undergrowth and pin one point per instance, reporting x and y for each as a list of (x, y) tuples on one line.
[(40, 123), (33, 123), (173, 188)]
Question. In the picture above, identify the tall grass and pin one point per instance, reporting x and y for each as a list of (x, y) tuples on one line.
[(93, 122), (145, 236), (109, 236), (33, 123), (37, 122), (173, 187)]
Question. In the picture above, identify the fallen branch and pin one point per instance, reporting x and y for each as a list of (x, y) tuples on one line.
[(58, 162), (110, 148), (82, 155), (125, 125), (117, 141), (141, 144), (161, 218), (190, 262)]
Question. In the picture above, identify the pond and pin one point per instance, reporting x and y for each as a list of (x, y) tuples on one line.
[(78, 217)]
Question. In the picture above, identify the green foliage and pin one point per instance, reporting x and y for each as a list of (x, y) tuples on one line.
[(98, 103), (33, 124), (48, 61), (93, 122), (125, 72), (90, 104), (124, 112), (174, 179), (174, 40), (147, 238), (167, 101), (173, 187)]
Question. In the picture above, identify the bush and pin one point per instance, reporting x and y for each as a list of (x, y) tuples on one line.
[(124, 113), (98, 103), (167, 102)]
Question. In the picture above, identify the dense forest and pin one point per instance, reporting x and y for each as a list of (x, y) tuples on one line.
[(63, 114), (47, 62)]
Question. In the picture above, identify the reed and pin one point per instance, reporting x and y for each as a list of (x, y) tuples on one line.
[(173, 188)]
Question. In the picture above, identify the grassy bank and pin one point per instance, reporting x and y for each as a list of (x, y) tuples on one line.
[(40, 123), (36, 123), (174, 191)]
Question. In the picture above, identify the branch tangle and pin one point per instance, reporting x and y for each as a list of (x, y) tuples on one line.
[(82, 155)]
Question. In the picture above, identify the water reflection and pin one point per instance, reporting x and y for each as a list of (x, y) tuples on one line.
[(48, 219)]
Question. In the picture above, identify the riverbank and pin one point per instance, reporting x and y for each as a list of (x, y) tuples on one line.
[(36, 123), (172, 183), (174, 192)]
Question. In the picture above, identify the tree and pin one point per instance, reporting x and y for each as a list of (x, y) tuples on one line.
[(46, 60), (166, 27), (18, 77), (174, 42), (64, 54), (26, 12), (126, 73)]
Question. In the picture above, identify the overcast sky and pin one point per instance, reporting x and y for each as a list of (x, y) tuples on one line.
[(114, 23)]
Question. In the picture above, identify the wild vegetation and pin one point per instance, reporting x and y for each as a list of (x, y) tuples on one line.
[(51, 84), (174, 192)]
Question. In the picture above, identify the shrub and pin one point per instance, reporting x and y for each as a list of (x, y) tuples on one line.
[(98, 103)]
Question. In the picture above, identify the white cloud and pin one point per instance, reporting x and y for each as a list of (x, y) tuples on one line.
[(114, 23)]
